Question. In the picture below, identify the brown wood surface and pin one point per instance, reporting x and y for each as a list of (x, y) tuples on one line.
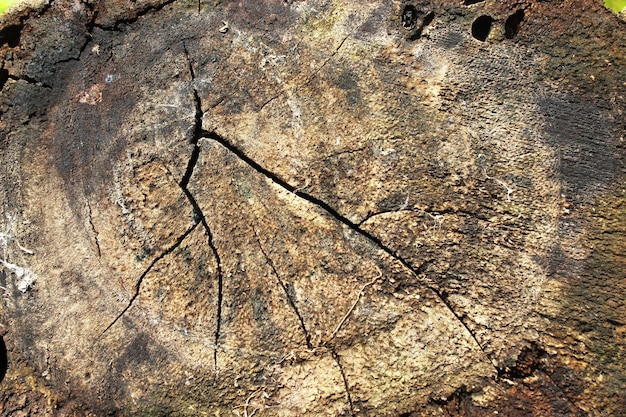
[(313, 208)]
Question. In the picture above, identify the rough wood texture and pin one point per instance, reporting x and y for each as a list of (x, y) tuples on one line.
[(309, 208)]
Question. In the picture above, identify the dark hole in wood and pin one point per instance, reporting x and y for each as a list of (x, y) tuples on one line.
[(468, 2), (4, 360), (422, 22), (481, 27), (11, 35), (4, 76), (511, 26), (409, 17)]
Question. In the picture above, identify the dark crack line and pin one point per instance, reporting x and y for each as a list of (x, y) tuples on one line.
[(269, 101), (444, 298), (163, 254), (416, 271), (198, 213), (290, 300), (326, 61), (93, 229), (567, 399), (133, 19), (308, 80), (335, 356), (89, 26), (29, 80), (197, 128)]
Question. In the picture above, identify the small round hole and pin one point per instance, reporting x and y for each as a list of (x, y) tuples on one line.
[(481, 27), (511, 26)]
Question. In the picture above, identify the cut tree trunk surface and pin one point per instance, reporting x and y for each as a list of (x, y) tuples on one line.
[(313, 208)]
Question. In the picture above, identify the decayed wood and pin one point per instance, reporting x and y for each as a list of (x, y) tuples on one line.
[(313, 208)]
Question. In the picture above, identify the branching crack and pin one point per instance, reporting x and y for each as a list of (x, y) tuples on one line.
[(163, 254), (198, 213), (290, 299), (416, 271), (345, 380)]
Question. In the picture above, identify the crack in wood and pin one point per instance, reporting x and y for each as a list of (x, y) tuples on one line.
[(433, 214), (28, 80), (306, 82), (137, 287), (351, 309), (290, 300), (326, 61), (198, 213), (93, 229), (150, 8), (415, 271), (337, 360)]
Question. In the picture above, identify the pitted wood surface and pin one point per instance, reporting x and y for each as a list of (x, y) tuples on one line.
[(313, 208)]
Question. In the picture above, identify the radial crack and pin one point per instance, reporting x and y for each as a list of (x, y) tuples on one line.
[(290, 299), (444, 298), (345, 380), (326, 61), (163, 254), (199, 217), (198, 213), (416, 271), (93, 229)]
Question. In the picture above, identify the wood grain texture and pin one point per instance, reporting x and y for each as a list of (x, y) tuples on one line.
[(313, 208)]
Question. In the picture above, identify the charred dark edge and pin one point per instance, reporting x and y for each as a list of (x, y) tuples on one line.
[(290, 300), (149, 9), (28, 79)]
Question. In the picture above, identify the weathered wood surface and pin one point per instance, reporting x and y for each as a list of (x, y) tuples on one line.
[(313, 208)]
